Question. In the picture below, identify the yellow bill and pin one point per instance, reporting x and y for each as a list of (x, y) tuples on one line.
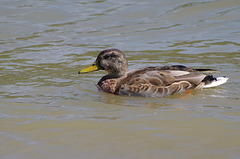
[(93, 67)]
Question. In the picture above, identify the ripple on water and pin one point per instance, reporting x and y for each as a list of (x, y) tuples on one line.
[(45, 105)]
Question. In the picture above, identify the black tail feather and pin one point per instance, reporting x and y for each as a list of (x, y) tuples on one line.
[(208, 79)]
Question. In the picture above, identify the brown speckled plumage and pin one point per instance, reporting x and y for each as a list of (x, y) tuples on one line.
[(147, 82)]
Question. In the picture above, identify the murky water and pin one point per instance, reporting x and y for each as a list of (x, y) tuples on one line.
[(49, 111)]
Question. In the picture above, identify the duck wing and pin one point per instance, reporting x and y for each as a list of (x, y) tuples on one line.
[(184, 68), (153, 82)]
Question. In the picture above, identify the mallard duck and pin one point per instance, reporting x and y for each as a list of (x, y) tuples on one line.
[(159, 81)]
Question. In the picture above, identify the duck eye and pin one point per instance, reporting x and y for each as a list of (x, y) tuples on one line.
[(106, 56), (113, 55)]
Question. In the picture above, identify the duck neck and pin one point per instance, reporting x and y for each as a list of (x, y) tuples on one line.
[(116, 74), (111, 76)]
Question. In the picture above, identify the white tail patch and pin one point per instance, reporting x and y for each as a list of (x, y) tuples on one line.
[(218, 82)]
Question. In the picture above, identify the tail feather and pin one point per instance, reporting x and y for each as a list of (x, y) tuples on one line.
[(207, 71), (215, 82), (184, 68)]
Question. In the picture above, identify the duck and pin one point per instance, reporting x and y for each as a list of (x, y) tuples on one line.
[(158, 81)]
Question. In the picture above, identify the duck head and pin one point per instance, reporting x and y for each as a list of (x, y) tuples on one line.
[(111, 60)]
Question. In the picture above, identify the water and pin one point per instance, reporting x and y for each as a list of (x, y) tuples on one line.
[(49, 111)]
